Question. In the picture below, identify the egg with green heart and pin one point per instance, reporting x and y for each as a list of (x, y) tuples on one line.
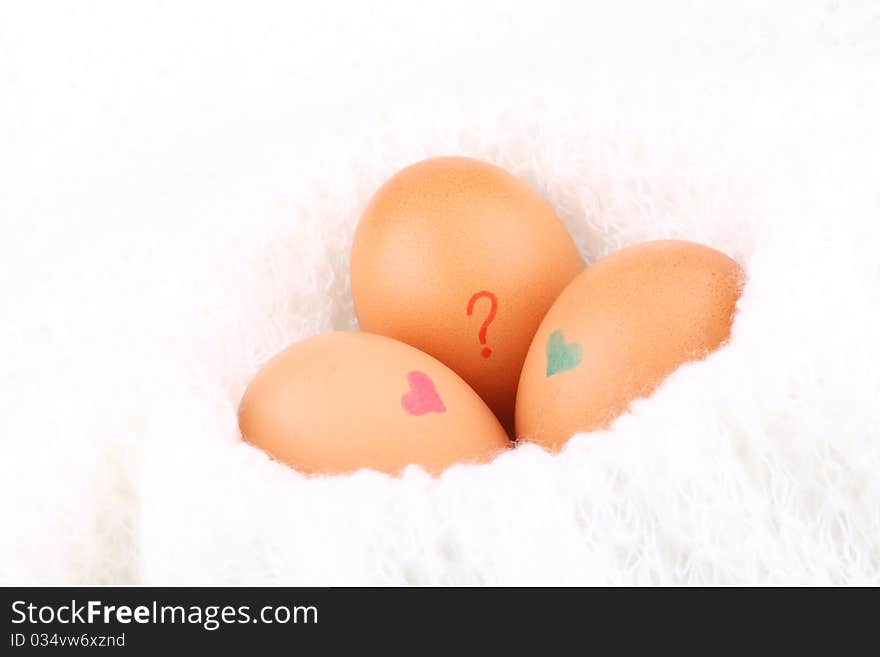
[(618, 330)]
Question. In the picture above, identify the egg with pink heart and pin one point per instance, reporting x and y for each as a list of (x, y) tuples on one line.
[(344, 401)]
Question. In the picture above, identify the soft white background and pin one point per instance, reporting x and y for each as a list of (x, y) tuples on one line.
[(179, 184)]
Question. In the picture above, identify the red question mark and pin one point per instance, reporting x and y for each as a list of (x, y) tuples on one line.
[(470, 310)]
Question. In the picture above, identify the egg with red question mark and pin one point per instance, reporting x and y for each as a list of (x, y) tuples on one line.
[(461, 259)]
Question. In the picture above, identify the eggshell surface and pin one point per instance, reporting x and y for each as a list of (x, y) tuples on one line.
[(618, 330), (344, 401), (461, 259)]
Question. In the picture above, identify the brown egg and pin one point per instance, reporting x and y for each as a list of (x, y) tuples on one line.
[(343, 401), (618, 330), (461, 259)]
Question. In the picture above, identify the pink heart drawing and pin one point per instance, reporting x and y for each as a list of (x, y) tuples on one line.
[(422, 396)]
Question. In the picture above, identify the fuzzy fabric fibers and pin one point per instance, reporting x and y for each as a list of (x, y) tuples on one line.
[(179, 186)]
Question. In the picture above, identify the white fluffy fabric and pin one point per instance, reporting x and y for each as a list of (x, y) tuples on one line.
[(179, 186)]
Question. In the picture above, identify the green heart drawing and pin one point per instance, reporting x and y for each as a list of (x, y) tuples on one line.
[(562, 356)]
